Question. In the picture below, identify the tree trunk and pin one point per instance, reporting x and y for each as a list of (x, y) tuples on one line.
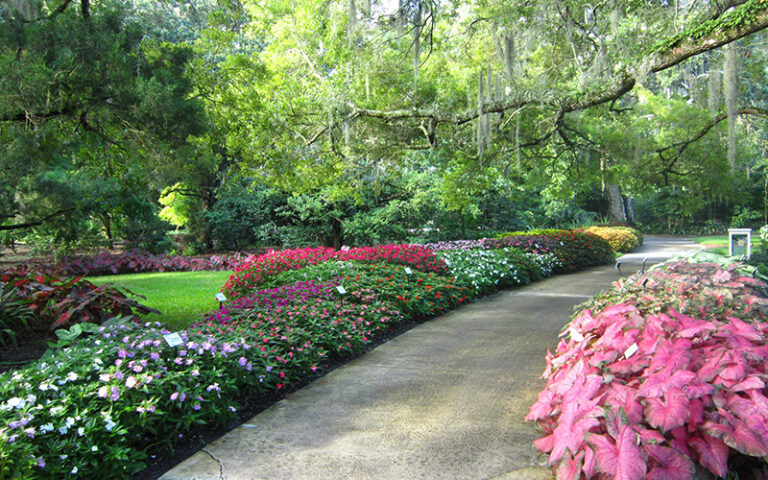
[(616, 212)]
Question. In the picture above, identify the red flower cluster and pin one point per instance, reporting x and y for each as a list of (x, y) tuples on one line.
[(257, 269)]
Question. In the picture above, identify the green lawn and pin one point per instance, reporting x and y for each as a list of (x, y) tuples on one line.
[(722, 243), (181, 297)]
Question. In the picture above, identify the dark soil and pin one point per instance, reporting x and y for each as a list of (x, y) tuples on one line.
[(31, 346)]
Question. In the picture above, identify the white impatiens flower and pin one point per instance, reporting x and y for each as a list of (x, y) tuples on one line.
[(71, 376)]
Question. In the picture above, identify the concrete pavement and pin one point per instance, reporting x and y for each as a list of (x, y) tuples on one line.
[(445, 400)]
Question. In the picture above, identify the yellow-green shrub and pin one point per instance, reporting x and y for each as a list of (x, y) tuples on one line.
[(621, 239)]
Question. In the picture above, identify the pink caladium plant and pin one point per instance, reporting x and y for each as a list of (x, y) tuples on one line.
[(660, 374)]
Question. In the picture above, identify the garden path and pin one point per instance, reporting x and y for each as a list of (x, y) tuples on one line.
[(445, 400)]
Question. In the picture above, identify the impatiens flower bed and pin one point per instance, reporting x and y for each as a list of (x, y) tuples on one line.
[(574, 250), (134, 261), (259, 270), (486, 271), (128, 389), (660, 377)]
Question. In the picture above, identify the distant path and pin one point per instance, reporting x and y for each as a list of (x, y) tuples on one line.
[(445, 400)]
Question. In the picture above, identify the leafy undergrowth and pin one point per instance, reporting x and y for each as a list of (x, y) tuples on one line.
[(661, 376), (58, 302)]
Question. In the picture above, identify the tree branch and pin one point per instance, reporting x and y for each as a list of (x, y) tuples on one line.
[(35, 223)]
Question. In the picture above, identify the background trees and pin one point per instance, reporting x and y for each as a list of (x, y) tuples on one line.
[(370, 121)]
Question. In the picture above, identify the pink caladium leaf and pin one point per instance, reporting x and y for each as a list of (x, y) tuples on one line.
[(660, 382), (543, 406), (673, 465), (750, 383), (622, 459), (672, 355), (545, 444), (570, 467), (573, 426), (698, 389), (668, 412), (712, 453), (738, 436), (742, 329)]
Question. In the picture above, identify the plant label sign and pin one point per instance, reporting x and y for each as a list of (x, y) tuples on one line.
[(341, 289), (221, 297), (408, 271), (631, 350), (173, 339)]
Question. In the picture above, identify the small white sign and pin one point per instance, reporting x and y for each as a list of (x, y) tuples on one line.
[(576, 335), (173, 339), (344, 248), (631, 350), (408, 271), (341, 289), (221, 297)]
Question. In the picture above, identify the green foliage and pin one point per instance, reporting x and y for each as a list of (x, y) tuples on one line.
[(15, 315)]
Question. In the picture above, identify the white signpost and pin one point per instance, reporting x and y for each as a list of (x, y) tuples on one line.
[(733, 238)]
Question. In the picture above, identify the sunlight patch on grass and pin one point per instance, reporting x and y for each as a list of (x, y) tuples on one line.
[(181, 297)]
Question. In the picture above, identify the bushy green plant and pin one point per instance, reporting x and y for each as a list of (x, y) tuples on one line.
[(58, 302), (486, 271)]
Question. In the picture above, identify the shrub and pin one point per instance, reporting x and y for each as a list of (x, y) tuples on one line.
[(486, 271), (574, 250), (622, 239), (58, 302), (659, 373)]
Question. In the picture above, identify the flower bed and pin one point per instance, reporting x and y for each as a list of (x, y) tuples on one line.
[(100, 406), (259, 271), (134, 261), (574, 250), (486, 271), (661, 376)]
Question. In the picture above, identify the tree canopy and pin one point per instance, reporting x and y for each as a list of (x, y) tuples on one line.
[(339, 106)]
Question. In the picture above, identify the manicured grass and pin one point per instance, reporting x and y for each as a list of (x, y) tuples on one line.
[(722, 243), (181, 297), (713, 240)]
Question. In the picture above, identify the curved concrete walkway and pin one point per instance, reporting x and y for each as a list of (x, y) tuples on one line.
[(445, 400)]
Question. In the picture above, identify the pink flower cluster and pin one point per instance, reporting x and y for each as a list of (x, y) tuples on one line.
[(256, 270), (664, 373)]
